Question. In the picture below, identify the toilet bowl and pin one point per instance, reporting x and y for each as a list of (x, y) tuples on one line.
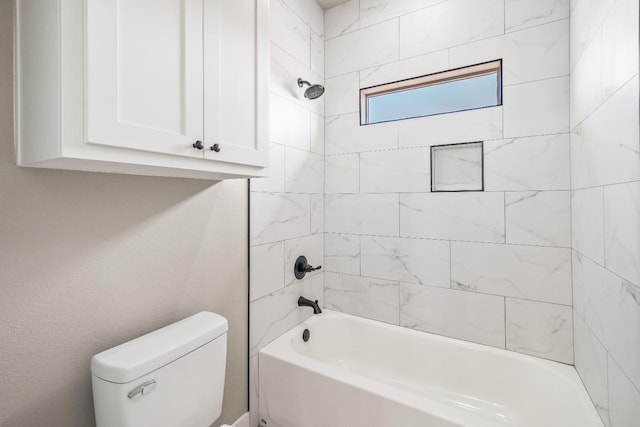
[(170, 377)]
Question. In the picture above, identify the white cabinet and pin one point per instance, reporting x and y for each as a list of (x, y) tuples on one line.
[(149, 87)]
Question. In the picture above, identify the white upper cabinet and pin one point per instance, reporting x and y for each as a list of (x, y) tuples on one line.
[(149, 87)]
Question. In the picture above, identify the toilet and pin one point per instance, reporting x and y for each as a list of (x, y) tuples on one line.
[(170, 377)]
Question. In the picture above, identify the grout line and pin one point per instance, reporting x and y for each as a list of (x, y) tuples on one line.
[(360, 27), (399, 215), (505, 322), (450, 264), (504, 212), (448, 48), (604, 234), (292, 56), (604, 101), (608, 385), (359, 255), (606, 269), (477, 242)]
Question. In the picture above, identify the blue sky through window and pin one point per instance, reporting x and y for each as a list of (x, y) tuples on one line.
[(447, 97)]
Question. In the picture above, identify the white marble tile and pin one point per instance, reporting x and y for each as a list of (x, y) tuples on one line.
[(448, 24), (360, 296), (395, 171), (465, 126), (310, 12), (289, 123), (372, 214), (317, 54), (342, 95), (317, 213), (341, 19), (457, 167), (539, 218), (361, 49), (342, 253), (274, 182), (605, 148), (534, 54), (290, 33), (587, 91), (278, 216), (591, 364), (375, 11), (267, 269), (274, 314), (612, 312), (342, 174), (580, 274), (523, 164), (317, 134), (587, 17), (405, 69), (458, 314), (527, 272), (587, 223), (620, 46), (484, 50), (304, 172), (540, 329), (254, 395), (424, 262), (453, 216), (624, 398), (284, 73), (521, 14), (311, 247), (537, 53), (343, 134), (622, 230), (538, 108)]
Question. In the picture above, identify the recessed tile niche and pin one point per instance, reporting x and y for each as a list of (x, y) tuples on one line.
[(457, 167)]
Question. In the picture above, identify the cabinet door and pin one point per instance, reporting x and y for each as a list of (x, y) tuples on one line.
[(145, 75), (236, 77)]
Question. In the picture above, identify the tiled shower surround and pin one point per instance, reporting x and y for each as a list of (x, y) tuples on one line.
[(605, 175), (286, 218), (550, 249), (493, 267)]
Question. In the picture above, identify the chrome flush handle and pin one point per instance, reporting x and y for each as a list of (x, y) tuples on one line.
[(142, 390)]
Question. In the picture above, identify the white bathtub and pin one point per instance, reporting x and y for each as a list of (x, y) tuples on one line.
[(356, 372)]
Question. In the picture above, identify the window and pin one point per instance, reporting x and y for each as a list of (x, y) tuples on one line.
[(468, 88)]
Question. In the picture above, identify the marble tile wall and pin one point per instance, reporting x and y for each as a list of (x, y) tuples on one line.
[(605, 177), (492, 267), (287, 207)]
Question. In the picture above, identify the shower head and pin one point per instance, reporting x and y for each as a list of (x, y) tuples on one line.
[(313, 91)]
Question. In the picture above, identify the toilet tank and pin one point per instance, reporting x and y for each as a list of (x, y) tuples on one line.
[(170, 377)]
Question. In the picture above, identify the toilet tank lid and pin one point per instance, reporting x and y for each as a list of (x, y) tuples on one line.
[(149, 352)]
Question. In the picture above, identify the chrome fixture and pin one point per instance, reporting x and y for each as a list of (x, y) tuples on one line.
[(313, 91)]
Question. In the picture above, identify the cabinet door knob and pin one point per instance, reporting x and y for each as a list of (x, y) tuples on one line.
[(198, 144), (216, 148)]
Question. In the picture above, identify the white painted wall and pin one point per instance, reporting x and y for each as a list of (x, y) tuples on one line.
[(89, 260), (492, 267), (605, 159)]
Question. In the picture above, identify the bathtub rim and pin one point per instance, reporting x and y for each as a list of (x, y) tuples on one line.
[(281, 349)]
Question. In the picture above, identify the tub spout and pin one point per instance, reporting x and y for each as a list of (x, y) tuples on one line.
[(303, 302)]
